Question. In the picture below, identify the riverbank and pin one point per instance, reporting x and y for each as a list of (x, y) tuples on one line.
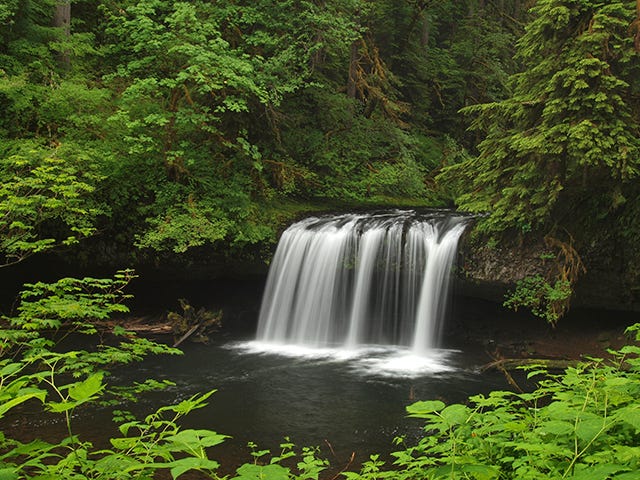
[(582, 334)]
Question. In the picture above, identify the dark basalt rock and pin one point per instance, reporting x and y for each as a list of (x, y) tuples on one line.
[(491, 271)]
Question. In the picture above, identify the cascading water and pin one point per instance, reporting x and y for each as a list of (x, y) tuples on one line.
[(359, 279)]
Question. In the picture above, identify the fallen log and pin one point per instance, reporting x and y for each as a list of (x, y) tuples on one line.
[(515, 363), (138, 325)]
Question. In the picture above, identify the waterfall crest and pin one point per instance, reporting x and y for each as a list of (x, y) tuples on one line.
[(357, 279)]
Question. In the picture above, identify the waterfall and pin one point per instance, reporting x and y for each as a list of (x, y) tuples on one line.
[(357, 279)]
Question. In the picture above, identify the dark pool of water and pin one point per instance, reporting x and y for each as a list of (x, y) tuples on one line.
[(343, 402)]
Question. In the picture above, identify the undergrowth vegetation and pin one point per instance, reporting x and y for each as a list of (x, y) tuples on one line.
[(583, 423)]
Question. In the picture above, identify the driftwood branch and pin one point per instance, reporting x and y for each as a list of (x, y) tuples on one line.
[(190, 332)]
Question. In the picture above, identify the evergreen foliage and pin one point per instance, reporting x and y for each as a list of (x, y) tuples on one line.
[(560, 155), (569, 133)]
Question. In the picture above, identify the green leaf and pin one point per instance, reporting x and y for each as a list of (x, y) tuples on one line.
[(561, 411), (64, 406), (118, 463), (590, 427), (250, 471), (8, 405), (10, 369), (626, 476), (556, 427), (596, 472), (481, 472), (455, 414), (119, 331), (84, 391), (194, 440), (123, 443), (630, 415), (193, 403), (178, 467), (422, 408), (9, 473)]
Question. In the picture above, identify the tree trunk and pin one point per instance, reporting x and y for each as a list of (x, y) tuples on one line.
[(353, 67), (426, 32), (636, 40), (62, 20)]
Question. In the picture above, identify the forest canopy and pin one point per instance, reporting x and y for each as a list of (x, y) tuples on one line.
[(196, 123), (165, 126)]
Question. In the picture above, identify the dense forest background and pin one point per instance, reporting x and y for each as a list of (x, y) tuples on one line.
[(151, 131), (160, 128)]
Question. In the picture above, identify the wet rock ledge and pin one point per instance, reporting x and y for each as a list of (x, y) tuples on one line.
[(489, 271)]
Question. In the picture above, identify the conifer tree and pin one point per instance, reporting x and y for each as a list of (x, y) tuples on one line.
[(570, 131)]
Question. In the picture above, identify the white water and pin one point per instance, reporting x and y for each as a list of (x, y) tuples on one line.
[(364, 361), (351, 281)]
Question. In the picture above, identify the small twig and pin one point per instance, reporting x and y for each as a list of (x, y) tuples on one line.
[(510, 379), (330, 447), (353, 456), (498, 363)]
